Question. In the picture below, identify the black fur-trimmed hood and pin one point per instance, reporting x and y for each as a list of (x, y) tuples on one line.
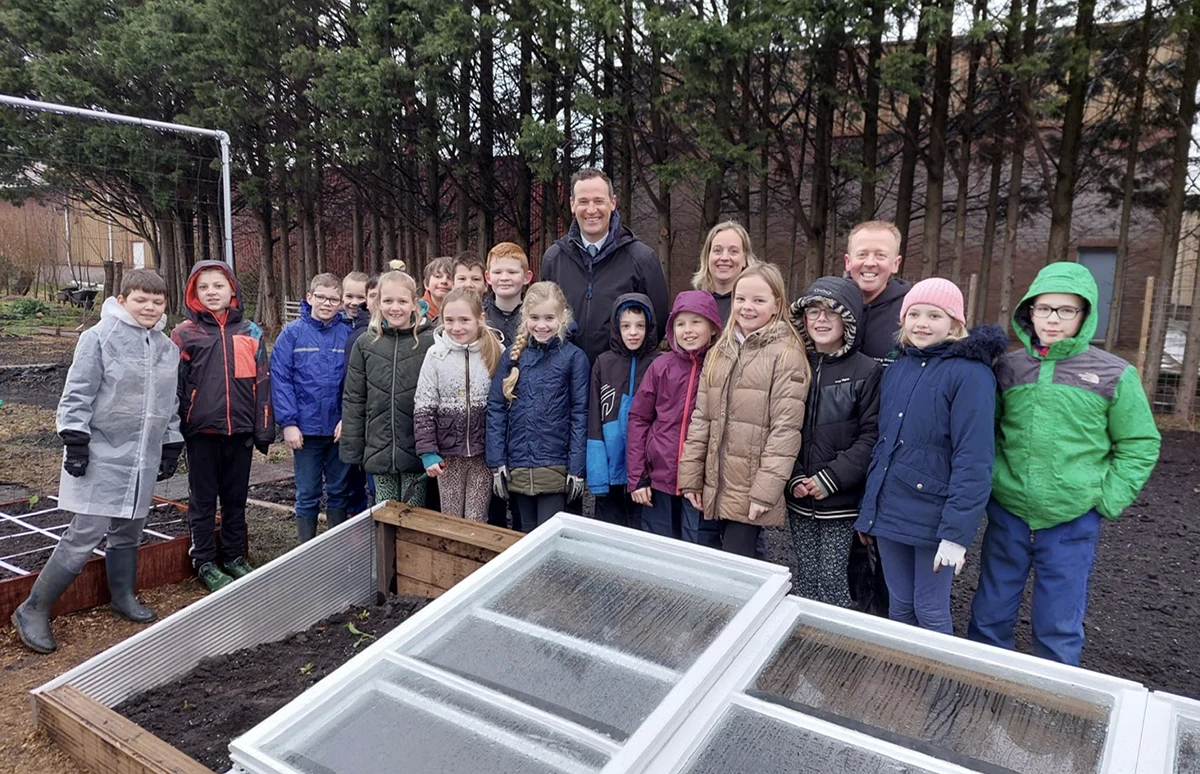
[(985, 343)]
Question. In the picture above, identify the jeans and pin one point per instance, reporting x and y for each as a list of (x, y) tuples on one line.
[(1061, 559), (318, 468), (919, 596), (674, 516)]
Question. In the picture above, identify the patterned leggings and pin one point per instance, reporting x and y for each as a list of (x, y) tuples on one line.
[(823, 551), (402, 487), (466, 487)]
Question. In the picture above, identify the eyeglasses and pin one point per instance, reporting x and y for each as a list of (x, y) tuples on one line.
[(815, 313), (1041, 311), (325, 300)]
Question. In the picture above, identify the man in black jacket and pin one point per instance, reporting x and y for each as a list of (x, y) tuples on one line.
[(600, 260), (872, 261)]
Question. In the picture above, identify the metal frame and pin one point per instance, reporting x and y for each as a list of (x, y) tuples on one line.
[(324, 576), (1127, 699), (117, 118), (1160, 732), (636, 753)]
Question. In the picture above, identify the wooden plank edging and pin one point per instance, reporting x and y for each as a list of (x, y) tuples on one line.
[(103, 741)]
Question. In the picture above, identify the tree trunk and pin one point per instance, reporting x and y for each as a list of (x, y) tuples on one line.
[(826, 71), (487, 130), (627, 101), (205, 238), (356, 232), (377, 240), (870, 148), (746, 134), (433, 209), (268, 300), (319, 235), (764, 191), (1172, 224), (287, 280), (989, 228), (1062, 204), (963, 180), (912, 131), (935, 169), (664, 228), (1134, 150), (389, 237), (524, 194)]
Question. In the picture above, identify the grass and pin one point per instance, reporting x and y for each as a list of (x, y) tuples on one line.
[(13, 323)]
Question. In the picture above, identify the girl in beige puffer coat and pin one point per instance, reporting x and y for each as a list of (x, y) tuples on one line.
[(745, 433)]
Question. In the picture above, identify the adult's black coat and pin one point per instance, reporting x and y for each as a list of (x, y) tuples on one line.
[(880, 322), (841, 424), (625, 264)]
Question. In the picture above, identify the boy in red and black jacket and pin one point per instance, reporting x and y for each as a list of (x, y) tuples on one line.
[(225, 407)]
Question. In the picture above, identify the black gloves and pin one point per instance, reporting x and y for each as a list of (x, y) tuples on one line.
[(75, 443), (170, 460)]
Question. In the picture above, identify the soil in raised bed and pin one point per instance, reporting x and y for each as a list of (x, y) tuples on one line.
[(225, 696)]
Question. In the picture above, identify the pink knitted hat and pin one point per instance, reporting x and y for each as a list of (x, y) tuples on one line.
[(938, 292)]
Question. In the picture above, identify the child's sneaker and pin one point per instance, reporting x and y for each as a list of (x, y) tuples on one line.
[(212, 576), (238, 568)]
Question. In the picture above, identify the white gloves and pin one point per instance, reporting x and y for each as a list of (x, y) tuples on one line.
[(499, 485), (950, 555), (574, 488)]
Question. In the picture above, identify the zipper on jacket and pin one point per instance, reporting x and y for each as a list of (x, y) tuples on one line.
[(467, 362), (228, 400), (683, 427), (734, 373), (811, 413), (191, 405), (392, 398)]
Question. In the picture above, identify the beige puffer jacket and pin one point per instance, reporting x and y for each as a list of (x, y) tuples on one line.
[(745, 432)]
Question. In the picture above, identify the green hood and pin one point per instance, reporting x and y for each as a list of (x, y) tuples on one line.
[(1062, 277)]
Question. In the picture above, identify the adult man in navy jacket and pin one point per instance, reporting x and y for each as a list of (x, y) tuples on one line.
[(600, 260)]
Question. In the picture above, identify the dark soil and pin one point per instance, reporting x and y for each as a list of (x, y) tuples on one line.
[(282, 492), (1143, 619), (226, 696), (41, 386), (17, 540)]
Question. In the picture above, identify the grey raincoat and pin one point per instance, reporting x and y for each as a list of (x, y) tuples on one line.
[(121, 392)]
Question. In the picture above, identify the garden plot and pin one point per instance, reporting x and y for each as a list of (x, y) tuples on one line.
[(30, 529)]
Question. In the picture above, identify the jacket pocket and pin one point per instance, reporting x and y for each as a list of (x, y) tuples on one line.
[(919, 480), (244, 363)]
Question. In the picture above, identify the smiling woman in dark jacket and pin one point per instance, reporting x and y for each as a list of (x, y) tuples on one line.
[(841, 426)]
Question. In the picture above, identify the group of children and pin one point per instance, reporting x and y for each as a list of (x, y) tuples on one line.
[(763, 414)]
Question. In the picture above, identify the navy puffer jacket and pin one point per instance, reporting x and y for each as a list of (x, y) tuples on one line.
[(931, 471), (308, 366), (546, 423)]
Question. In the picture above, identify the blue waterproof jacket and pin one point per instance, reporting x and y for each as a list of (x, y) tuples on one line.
[(308, 365), (931, 471), (546, 423), (616, 375)]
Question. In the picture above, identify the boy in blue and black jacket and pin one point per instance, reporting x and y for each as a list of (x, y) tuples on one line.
[(307, 370), (616, 375)]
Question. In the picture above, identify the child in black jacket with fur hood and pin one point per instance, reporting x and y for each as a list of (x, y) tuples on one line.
[(840, 429)]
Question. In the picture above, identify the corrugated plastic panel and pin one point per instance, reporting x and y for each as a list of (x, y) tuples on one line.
[(312, 581)]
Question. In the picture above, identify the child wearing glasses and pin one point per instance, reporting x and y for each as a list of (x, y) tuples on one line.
[(841, 425), (308, 365), (1075, 443)]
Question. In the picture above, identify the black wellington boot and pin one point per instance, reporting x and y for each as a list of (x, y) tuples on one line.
[(121, 564)]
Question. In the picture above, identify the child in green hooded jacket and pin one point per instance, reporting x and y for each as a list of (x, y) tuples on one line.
[(1075, 443)]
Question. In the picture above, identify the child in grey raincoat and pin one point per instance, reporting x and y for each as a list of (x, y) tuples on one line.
[(119, 422)]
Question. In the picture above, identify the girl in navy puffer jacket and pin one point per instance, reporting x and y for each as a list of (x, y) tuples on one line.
[(930, 473), (537, 412)]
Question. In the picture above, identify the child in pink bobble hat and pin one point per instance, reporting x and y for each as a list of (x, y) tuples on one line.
[(931, 469)]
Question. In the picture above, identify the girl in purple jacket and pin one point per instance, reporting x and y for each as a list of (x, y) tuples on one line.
[(658, 422)]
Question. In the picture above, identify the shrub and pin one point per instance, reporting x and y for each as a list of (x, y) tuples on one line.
[(29, 307)]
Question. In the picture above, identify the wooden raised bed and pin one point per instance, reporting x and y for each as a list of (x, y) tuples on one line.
[(417, 551)]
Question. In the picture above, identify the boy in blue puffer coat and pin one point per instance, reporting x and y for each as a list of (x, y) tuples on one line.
[(308, 366), (616, 375), (931, 470)]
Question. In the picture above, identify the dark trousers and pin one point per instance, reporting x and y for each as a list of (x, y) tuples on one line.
[(740, 538), (358, 495), (674, 516), (218, 470), (318, 469), (617, 507), (531, 511), (1061, 561)]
